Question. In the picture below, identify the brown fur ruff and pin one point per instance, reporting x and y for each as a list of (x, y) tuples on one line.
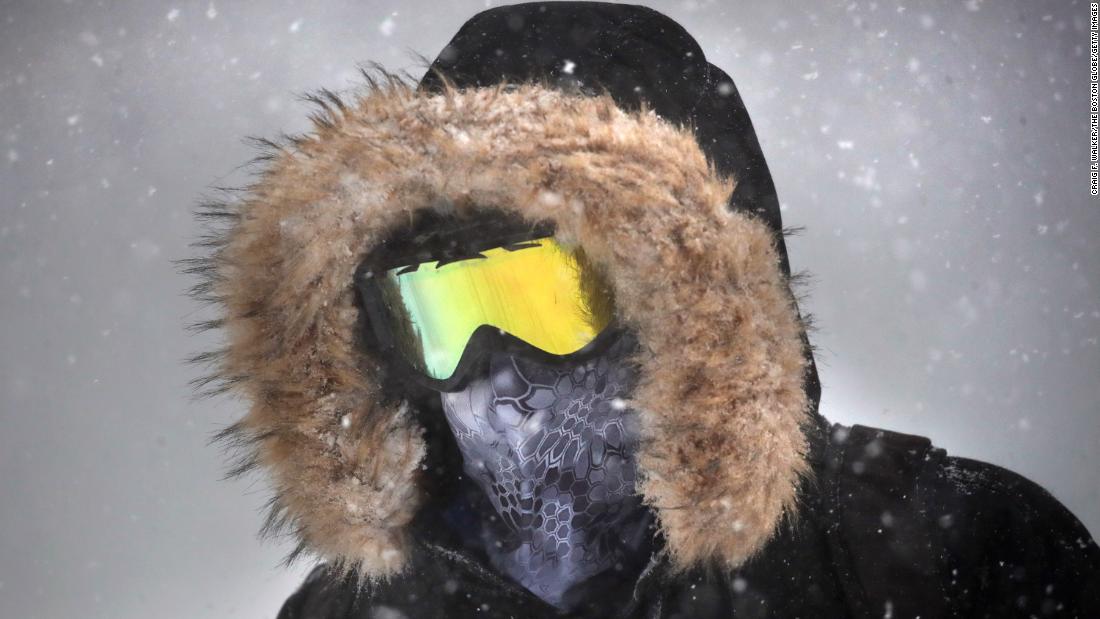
[(720, 398)]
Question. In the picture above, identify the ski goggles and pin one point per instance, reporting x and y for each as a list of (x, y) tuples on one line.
[(441, 317)]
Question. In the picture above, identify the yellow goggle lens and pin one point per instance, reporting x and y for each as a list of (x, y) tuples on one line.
[(543, 293)]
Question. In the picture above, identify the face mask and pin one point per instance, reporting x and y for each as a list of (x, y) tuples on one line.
[(552, 447)]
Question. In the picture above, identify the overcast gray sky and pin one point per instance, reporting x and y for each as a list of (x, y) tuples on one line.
[(937, 156)]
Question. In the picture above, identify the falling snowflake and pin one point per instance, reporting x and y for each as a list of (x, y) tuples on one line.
[(387, 26)]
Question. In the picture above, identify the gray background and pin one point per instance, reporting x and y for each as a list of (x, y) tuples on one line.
[(936, 155)]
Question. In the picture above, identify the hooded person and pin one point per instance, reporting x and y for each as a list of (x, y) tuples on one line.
[(519, 341)]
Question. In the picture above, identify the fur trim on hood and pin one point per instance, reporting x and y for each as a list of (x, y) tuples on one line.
[(720, 399)]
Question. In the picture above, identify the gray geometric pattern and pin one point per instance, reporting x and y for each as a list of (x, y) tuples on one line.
[(552, 447)]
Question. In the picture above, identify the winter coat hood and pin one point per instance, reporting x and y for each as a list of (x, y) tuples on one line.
[(636, 148)]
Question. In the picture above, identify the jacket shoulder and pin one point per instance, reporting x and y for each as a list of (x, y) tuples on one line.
[(1024, 550), (430, 586), (957, 532), (322, 595)]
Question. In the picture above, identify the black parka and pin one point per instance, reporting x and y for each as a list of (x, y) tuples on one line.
[(887, 525), (892, 527)]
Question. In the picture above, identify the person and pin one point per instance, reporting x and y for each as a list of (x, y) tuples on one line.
[(519, 341)]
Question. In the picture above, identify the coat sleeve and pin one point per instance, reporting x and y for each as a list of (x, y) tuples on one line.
[(1012, 548)]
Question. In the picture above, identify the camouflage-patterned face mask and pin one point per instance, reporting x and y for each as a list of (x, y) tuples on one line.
[(553, 448)]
